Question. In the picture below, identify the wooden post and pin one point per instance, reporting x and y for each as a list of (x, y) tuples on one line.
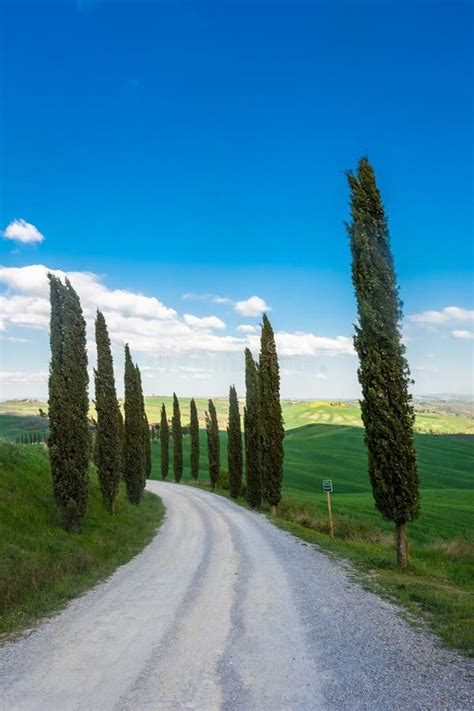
[(331, 527)]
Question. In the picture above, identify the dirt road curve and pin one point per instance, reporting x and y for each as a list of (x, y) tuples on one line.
[(224, 611)]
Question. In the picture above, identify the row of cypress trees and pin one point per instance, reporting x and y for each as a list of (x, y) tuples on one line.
[(263, 430), (122, 447), (32, 437)]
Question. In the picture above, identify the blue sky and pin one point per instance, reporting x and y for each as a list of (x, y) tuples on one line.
[(197, 148)]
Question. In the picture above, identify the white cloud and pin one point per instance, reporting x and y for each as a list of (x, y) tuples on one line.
[(14, 339), (215, 298), (308, 344), (144, 322), (246, 328), (254, 306), (22, 231), (19, 376), (206, 322), (463, 335), (446, 315)]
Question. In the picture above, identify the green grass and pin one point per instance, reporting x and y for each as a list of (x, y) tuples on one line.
[(41, 566)]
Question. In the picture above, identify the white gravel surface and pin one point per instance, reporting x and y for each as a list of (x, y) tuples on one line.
[(224, 611)]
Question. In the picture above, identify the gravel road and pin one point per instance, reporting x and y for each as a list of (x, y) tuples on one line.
[(225, 611)]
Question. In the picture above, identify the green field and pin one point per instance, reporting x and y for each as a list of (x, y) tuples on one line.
[(42, 566)]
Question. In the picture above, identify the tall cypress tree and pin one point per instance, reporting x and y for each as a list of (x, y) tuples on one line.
[(177, 433), (194, 432), (384, 375), (271, 420), (213, 452), (69, 440), (234, 445), (146, 428), (134, 451), (164, 443), (108, 435), (253, 472)]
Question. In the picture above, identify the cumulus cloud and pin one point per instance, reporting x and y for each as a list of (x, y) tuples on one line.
[(206, 322), (463, 335), (447, 315), (308, 344), (144, 322), (22, 231), (254, 306), (246, 328)]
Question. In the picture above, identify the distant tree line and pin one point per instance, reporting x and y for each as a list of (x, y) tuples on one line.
[(32, 437)]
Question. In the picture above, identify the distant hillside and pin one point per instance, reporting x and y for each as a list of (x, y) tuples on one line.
[(447, 415)]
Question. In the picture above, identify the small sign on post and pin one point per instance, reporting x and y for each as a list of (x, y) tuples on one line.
[(327, 487)]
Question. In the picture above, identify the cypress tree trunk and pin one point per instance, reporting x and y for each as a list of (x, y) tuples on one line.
[(70, 439), (234, 445), (134, 451), (108, 435), (401, 542), (164, 443), (271, 420), (177, 432), (194, 432), (213, 451), (384, 375), (253, 475)]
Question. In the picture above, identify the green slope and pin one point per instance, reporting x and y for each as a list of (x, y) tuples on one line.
[(41, 566)]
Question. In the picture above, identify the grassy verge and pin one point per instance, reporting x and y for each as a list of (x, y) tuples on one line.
[(438, 587), (41, 566)]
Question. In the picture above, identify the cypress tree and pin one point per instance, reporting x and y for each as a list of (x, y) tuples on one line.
[(234, 445), (146, 428), (253, 472), (134, 451), (194, 432), (69, 441), (108, 436), (384, 374), (271, 420), (213, 451), (148, 459), (165, 443), (177, 433)]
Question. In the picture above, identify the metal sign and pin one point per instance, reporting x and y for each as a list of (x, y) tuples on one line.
[(327, 485)]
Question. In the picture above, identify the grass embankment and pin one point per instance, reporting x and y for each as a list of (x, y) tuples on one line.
[(439, 585), (42, 567)]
